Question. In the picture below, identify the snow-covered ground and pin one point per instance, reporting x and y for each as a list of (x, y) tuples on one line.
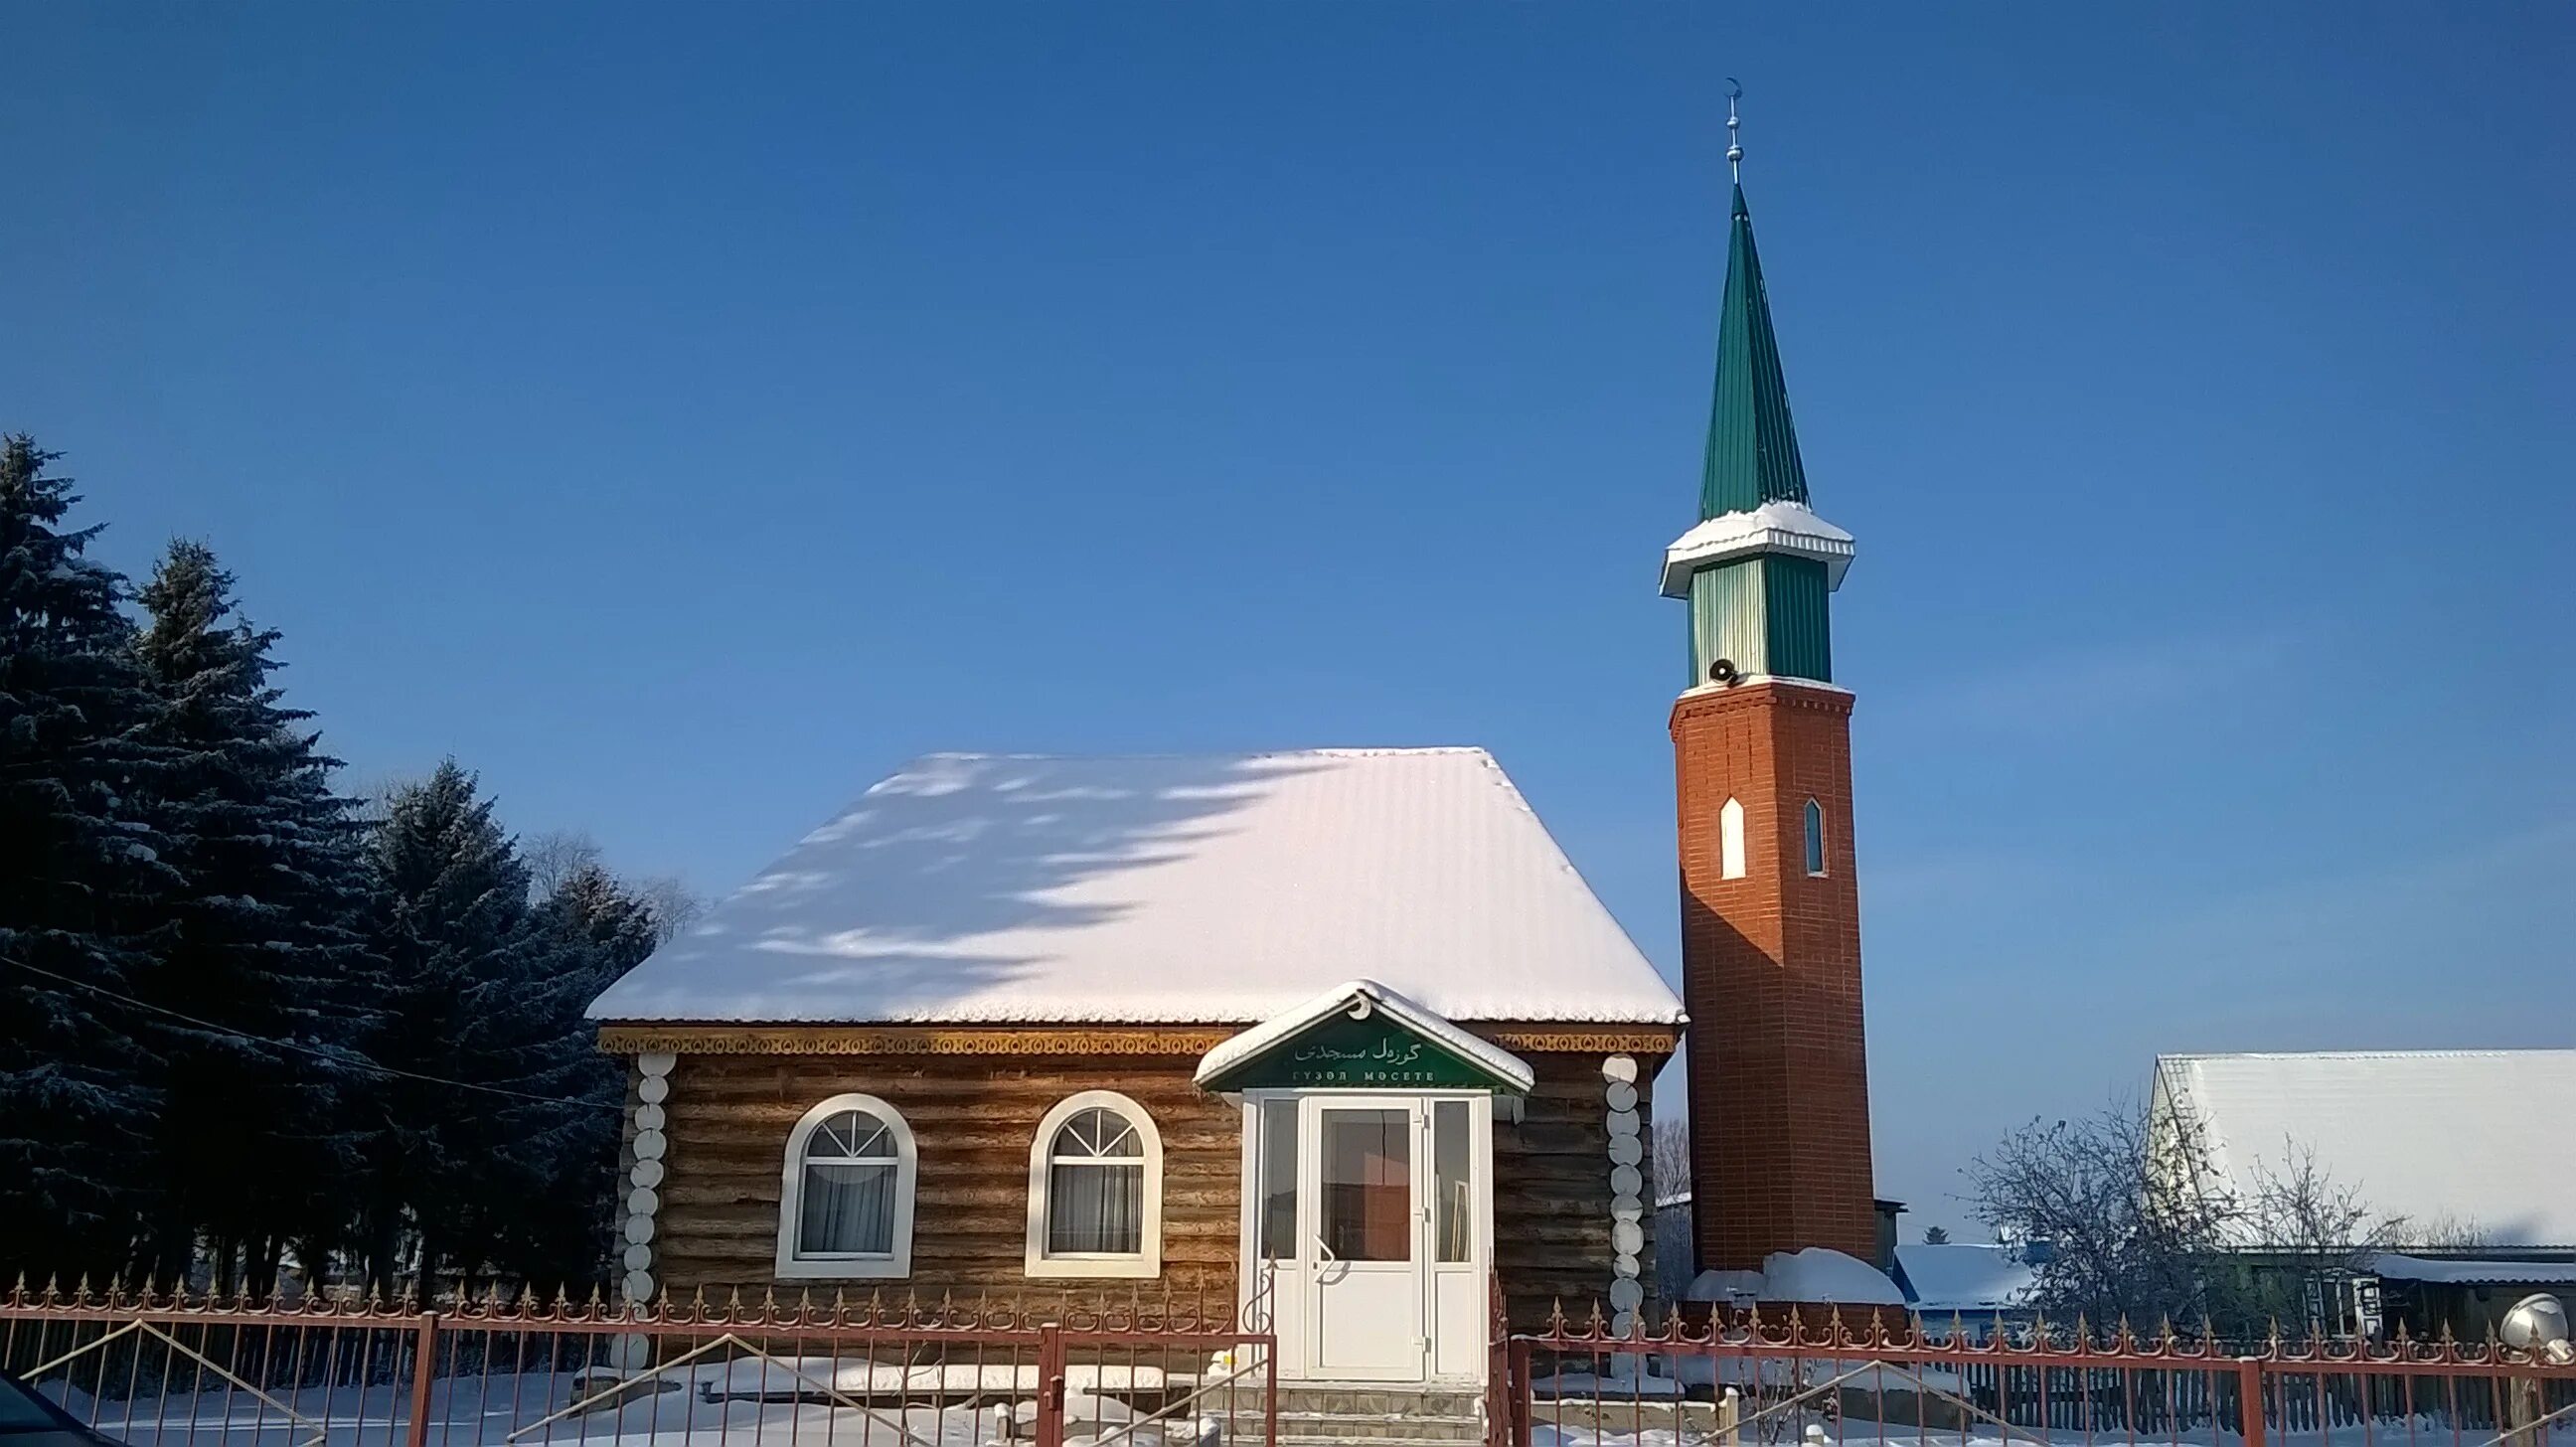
[(1652, 1424), (747, 1407), (1613, 1433)]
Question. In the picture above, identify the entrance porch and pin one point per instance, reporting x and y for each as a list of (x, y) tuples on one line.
[(1368, 1204)]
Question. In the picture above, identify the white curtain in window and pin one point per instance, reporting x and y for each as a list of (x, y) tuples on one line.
[(848, 1209), (1095, 1209), (1096, 1187), (846, 1197)]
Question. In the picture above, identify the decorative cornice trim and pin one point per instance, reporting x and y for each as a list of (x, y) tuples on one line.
[(1166, 1040), (629, 1039), (1772, 692), (1585, 1039)]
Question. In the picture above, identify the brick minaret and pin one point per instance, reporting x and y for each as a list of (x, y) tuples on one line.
[(1779, 1082)]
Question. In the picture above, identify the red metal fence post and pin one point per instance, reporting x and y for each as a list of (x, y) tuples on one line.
[(2249, 1400), (1050, 1387), (424, 1371), (1270, 1393), (1517, 1383)]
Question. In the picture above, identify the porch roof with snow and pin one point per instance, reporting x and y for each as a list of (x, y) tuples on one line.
[(1311, 1026), (1219, 889), (2448, 1139)]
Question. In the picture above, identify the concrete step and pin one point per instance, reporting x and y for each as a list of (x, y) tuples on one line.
[(1383, 1401), (1351, 1429)]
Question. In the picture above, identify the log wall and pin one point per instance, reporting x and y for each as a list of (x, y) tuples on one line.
[(1552, 1191), (973, 1119)]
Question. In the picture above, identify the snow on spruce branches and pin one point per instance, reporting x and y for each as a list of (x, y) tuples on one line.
[(246, 1024)]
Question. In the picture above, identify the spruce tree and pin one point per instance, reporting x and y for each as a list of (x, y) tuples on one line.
[(265, 959), (481, 992), (80, 876), (605, 928)]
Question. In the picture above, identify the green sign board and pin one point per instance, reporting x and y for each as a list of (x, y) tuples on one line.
[(1377, 1053)]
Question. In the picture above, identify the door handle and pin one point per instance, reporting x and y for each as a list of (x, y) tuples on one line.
[(1329, 1258)]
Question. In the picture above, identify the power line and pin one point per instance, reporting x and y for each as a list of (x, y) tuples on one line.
[(337, 1058)]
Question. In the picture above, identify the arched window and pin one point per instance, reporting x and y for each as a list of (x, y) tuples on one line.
[(1815, 837), (1096, 1189), (1730, 841), (845, 1199)]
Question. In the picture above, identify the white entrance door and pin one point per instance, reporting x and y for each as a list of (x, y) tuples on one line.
[(1368, 1223), (1360, 1195)]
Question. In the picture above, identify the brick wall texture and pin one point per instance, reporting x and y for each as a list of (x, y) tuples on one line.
[(1779, 1077)]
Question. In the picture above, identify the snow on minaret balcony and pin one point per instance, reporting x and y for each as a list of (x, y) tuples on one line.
[(1775, 527)]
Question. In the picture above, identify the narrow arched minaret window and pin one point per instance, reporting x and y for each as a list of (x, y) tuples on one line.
[(1815, 837), (1730, 840)]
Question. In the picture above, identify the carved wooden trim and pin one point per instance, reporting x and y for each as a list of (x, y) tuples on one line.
[(1191, 1040), (907, 1040), (1586, 1039)]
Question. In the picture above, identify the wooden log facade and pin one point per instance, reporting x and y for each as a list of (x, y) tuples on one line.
[(974, 1115), (973, 1120)]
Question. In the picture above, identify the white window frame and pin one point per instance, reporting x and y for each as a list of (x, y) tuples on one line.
[(795, 1265), (1147, 1260), (1730, 840), (1817, 854)]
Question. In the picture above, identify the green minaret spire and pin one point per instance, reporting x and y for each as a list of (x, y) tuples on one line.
[(1757, 581), (1752, 448)]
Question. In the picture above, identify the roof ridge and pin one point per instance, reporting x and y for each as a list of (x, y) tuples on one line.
[(2180, 1056), (1327, 750)]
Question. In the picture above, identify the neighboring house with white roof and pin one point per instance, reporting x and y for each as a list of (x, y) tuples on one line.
[(1268, 1026), (2466, 1146), (1975, 1288)]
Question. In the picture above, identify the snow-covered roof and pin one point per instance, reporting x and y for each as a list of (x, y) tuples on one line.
[(1485, 1055), (2452, 1140), (1965, 1277), (1774, 527), (2400, 1267), (1817, 1275), (1207, 889)]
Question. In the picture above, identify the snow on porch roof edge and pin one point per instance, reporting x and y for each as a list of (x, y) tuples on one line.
[(1483, 1054)]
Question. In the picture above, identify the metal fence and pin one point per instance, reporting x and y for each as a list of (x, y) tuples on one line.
[(154, 1370), (1741, 1379)]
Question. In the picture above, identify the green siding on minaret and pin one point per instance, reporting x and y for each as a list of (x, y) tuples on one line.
[(1752, 448), (1764, 615)]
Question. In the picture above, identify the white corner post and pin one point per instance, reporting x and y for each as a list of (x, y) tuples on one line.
[(644, 1177), (1627, 1191)]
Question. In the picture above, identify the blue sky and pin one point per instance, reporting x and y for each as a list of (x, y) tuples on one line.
[(683, 416)]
